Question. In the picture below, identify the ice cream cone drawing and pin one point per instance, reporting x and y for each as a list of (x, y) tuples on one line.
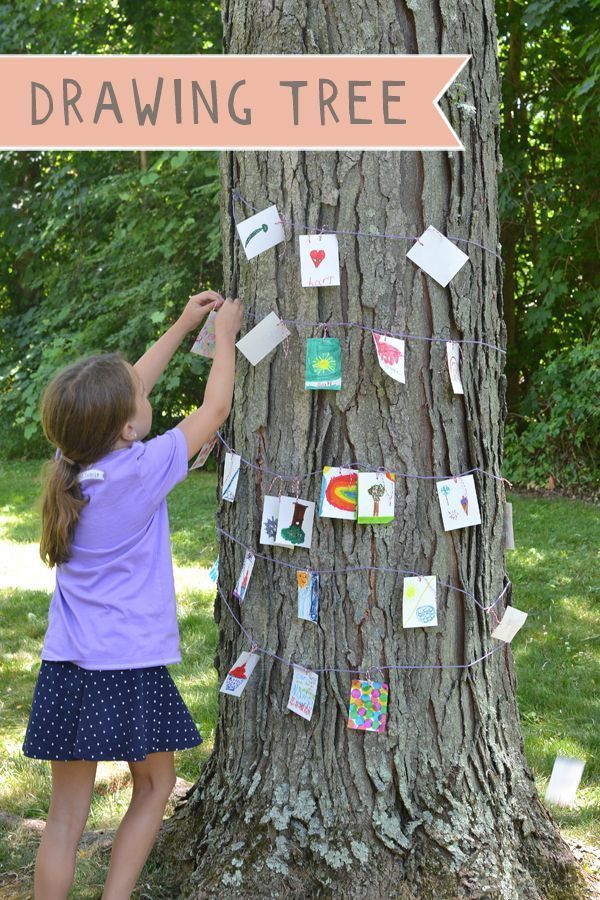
[(239, 671), (458, 502)]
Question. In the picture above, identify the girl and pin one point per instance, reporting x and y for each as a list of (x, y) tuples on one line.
[(103, 690)]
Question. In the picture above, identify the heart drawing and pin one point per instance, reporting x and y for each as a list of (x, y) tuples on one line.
[(317, 257)]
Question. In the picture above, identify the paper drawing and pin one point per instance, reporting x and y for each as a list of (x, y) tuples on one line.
[(390, 353), (263, 338), (319, 260), (241, 587), (204, 345), (295, 524), (261, 232), (512, 621), (303, 692), (205, 451), (453, 355), (368, 705), (376, 492), (323, 364), (231, 474), (338, 493), (270, 517), (458, 502), (564, 781), (419, 605), (308, 595), (436, 255), (237, 677)]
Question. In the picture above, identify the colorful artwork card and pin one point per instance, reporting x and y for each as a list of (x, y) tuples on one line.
[(564, 781), (205, 451), (368, 705), (323, 364), (241, 587), (214, 571), (204, 345), (436, 255), (453, 355), (512, 621), (237, 677), (231, 474), (303, 692), (458, 502), (263, 338), (308, 596), (339, 493), (261, 232), (295, 523), (270, 517), (419, 605), (319, 260), (376, 494), (390, 353)]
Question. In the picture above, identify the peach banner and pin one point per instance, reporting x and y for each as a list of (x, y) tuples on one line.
[(312, 102)]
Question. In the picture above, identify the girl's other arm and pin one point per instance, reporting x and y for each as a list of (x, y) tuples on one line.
[(155, 360), (200, 426)]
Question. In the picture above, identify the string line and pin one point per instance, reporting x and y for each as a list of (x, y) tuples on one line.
[(301, 323), (290, 663), (353, 465), (303, 226), (351, 569)]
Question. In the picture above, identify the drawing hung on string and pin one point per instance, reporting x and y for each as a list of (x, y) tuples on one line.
[(261, 232), (295, 522), (458, 502), (338, 493), (319, 260), (308, 596)]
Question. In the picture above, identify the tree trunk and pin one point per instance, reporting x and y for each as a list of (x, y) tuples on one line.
[(442, 804)]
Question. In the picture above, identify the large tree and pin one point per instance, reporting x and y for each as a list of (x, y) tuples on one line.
[(443, 803)]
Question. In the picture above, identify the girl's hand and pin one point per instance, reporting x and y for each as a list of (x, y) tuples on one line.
[(197, 307), (229, 319)]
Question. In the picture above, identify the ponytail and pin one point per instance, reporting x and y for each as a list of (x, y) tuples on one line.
[(83, 411), (62, 502)]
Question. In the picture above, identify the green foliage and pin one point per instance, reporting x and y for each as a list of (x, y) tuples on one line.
[(559, 433), (101, 256), (550, 57), (100, 251)]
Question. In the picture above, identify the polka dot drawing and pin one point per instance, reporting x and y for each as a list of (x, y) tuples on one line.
[(368, 706)]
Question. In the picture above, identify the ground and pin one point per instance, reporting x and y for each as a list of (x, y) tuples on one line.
[(556, 653)]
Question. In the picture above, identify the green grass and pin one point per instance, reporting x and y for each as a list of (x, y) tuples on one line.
[(555, 574), (556, 654)]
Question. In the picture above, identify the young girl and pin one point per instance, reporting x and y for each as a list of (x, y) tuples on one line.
[(103, 690)]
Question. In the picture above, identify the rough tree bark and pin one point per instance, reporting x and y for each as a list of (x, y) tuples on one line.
[(442, 804)]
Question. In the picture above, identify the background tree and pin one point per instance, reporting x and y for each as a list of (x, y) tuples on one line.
[(549, 206), (443, 804)]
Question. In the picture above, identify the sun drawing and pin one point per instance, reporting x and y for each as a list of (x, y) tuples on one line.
[(324, 363)]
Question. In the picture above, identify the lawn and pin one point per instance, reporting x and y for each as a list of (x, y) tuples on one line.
[(556, 653)]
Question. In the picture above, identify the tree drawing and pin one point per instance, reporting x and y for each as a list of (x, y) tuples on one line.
[(376, 491)]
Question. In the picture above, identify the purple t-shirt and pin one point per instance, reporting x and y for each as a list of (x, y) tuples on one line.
[(114, 602)]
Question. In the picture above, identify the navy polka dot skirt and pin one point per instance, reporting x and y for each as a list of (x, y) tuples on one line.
[(106, 715)]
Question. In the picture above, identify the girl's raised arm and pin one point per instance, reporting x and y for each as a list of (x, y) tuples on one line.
[(200, 425), (156, 359)]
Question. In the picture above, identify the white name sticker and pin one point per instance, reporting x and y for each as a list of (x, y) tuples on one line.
[(91, 475)]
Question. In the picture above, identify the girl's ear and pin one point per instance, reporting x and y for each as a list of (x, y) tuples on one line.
[(128, 433)]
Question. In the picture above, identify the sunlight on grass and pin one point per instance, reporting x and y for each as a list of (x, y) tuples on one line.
[(556, 655)]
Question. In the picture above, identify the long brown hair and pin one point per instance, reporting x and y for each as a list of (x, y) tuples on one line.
[(83, 409)]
